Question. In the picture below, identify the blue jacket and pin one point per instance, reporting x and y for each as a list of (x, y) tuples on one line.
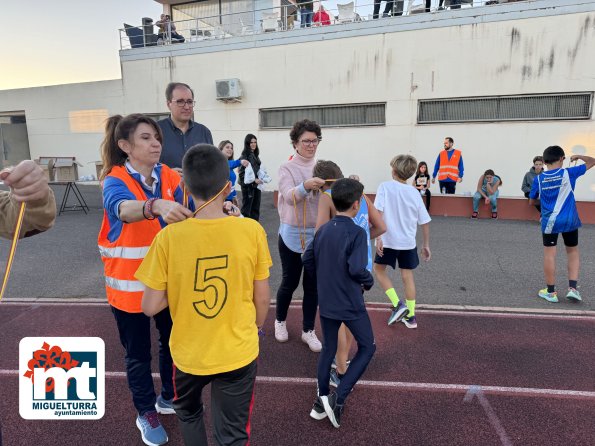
[(338, 257)]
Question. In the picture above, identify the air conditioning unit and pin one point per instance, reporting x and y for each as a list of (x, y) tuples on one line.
[(229, 90)]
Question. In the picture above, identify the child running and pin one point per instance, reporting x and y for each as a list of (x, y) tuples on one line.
[(212, 271), (337, 257), (555, 188), (402, 209), (421, 182), (368, 218)]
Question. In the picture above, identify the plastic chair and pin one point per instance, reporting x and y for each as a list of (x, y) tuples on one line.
[(346, 12), (270, 21)]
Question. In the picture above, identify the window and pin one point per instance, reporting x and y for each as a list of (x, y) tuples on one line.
[(348, 115), (560, 106)]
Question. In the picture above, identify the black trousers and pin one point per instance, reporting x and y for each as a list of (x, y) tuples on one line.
[(251, 202), (135, 336), (428, 199), (361, 329), (429, 4), (387, 8), (449, 187), (231, 405), (291, 264)]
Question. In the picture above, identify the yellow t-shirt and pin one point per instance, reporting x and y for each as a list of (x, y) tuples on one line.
[(208, 268)]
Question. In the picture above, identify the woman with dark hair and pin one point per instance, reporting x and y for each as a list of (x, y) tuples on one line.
[(140, 196), (421, 182), (298, 207), (250, 192)]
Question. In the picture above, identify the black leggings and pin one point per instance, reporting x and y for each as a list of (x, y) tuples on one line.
[(251, 202), (291, 264)]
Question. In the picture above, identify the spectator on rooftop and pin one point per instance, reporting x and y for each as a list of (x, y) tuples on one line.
[(306, 12), (322, 17), (167, 30)]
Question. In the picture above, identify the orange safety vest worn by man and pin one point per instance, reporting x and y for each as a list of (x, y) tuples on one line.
[(123, 246), (448, 168)]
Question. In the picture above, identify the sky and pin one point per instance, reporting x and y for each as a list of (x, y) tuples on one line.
[(65, 41)]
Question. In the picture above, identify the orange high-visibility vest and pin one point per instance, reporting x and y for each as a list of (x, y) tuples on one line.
[(449, 168), (122, 257)]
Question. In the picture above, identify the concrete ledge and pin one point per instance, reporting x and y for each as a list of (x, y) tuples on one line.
[(509, 208)]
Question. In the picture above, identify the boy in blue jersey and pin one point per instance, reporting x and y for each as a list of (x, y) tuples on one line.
[(338, 257), (555, 188)]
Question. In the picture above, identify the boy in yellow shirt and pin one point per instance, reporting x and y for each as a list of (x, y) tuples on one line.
[(212, 271)]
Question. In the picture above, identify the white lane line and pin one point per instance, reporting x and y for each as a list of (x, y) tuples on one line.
[(491, 414), (455, 310), (460, 388)]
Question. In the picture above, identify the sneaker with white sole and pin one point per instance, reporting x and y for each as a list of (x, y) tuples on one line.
[(550, 297), (573, 295), (334, 379), (151, 430), (309, 337), (410, 322), (281, 334), (164, 406), (398, 313), (332, 409), (318, 412)]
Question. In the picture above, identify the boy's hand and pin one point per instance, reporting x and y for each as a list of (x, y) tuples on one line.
[(26, 181), (426, 254), (379, 247)]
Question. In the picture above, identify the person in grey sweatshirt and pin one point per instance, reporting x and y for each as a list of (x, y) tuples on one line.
[(530, 176)]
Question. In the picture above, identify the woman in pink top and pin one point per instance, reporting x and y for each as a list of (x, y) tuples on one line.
[(298, 206)]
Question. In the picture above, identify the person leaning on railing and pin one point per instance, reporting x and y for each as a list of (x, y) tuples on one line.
[(27, 184), (167, 30)]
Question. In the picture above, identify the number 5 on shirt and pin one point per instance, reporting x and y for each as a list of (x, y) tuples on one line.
[(210, 288)]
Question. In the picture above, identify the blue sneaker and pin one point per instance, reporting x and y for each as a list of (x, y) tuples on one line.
[(573, 295), (410, 322), (398, 313), (151, 430), (334, 380), (164, 406), (550, 297)]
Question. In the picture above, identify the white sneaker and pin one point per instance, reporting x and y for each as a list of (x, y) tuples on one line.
[(281, 334), (309, 337)]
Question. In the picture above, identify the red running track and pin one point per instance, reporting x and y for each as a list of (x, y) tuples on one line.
[(412, 394)]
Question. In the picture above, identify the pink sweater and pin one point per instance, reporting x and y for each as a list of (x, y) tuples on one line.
[(291, 175)]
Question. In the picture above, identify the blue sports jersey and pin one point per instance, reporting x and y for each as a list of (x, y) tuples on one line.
[(555, 189)]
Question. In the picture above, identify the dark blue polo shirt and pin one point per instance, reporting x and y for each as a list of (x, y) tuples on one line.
[(176, 143), (338, 257)]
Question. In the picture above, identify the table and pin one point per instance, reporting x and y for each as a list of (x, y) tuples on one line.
[(71, 186)]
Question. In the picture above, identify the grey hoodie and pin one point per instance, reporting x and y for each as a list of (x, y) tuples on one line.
[(528, 180)]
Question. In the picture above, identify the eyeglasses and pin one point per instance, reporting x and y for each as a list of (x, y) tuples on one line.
[(310, 142), (181, 103)]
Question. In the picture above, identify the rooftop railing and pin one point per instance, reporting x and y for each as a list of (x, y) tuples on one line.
[(284, 18)]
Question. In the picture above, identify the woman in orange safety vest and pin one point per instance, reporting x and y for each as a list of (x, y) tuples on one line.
[(140, 196)]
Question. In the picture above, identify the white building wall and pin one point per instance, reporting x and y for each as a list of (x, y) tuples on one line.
[(536, 55), (47, 110)]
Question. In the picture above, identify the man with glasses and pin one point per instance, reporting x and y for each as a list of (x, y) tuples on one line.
[(180, 132)]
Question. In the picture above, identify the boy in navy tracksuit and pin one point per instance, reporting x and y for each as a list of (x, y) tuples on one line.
[(338, 257)]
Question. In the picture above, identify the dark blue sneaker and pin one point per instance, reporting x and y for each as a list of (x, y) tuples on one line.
[(334, 380), (164, 406), (151, 430), (398, 313), (317, 411), (410, 322)]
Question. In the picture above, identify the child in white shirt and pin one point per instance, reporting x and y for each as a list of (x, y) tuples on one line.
[(403, 210)]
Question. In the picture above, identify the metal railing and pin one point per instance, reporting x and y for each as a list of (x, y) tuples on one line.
[(284, 18)]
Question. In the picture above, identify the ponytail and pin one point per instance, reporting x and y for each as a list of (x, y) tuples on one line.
[(117, 128)]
